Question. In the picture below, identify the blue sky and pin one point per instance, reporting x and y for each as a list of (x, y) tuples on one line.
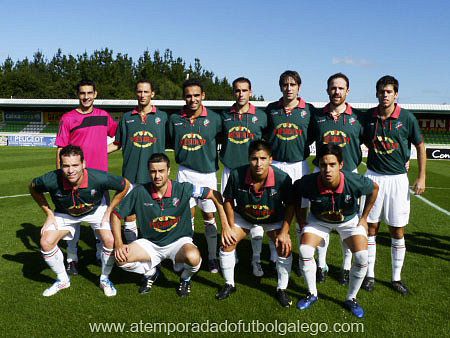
[(256, 39)]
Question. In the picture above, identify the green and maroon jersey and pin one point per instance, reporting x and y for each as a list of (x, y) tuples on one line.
[(287, 131), (162, 220), (239, 130), (140, 137), (389, 141), (259, 207), (346, 131), (333, 206), (194, 141), (82, 200)]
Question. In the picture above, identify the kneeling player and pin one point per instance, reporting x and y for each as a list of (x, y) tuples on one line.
[(163, 216), (334, 205), (257, 194), (77, 193)]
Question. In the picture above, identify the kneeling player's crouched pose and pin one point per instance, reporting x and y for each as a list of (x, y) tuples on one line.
[(257, 194), (163, 216), (77, 193), (334, 205)]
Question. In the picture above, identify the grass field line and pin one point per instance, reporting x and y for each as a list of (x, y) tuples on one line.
[(431, 204)]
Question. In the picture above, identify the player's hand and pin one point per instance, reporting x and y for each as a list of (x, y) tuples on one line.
[(283, 240), (419, 186), (121, 253), (50, 221), (363, 222), (228, 236)]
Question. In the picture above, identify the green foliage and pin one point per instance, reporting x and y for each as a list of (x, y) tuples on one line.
[(115, 75)]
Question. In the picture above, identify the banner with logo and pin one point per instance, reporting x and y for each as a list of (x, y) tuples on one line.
[(31, 141), (438, 154), (23, 116)]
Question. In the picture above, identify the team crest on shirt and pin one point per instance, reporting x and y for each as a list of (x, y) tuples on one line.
[(258, 211), (336, 137), (273, 192), (175, 201), (192, 142), (206, 122), (240, 135), (93, 192), (399, 125), (143, 139), (303, 114), (287, 131), (157, 120), (352, 121), (164, 223), (254, 119), (347, 198)]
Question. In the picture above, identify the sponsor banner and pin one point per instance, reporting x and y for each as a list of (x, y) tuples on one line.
[(52, 117), (31, 141), (3, 140), (23, 116), (433, 122), (438, 154)]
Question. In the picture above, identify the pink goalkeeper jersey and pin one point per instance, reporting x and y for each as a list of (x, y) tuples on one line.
[(88, 131)]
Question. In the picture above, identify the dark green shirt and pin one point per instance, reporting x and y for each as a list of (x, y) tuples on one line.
[(346, 131), (287, 131), (79, 201), (239, 130), (262, 207), (161, 220), (140, 137), (195, 142), (389, 141), (333, 206)]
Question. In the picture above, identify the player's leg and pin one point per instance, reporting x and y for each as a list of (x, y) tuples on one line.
[(72, 252), (322, 267), (346, 264), (372, 231), (107, 258), (210, 236), (189, 256), (256, 235), (398, 251)]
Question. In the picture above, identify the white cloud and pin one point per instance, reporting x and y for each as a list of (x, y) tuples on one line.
[(347, 60)]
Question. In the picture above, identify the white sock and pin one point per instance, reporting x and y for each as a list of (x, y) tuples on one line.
[(108, 261), (55, 260), (357, 273), (98, 246), (284, 265), (308, 267), (256, 233), (189, 271), (322, 252), (398, 251), (211, 237), (130, 231), (227, 262), (72, 245), (193, 222), (347, 256), (273, 251), (372, 249)]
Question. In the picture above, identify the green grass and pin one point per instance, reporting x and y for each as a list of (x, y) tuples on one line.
[(24, 275)]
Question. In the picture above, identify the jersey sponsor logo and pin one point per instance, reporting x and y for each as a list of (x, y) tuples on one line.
[(164, 223), (80, 209), (384, 145), (332, 216), (240, 134), (192, 142), (337, 137), (287, 131), (143, 139), (258, 211)]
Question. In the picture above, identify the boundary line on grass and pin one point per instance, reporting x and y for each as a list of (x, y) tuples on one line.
[(431, 204)]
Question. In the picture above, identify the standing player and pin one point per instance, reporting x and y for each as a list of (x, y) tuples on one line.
[(390, 130), (193, 133), (163, 215), (141, 133), (338, 123), (334, 205), (288, 124), (87, 127), (241, 124), (78, 196), (257, 195)]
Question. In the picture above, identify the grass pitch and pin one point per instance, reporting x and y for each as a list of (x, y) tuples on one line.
[(72, 312)]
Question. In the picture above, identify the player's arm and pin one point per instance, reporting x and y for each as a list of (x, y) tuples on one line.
[(43, 204), (58, 160), (228, 235), (419, 185), (112, 147), (370, 201), (300, 213), (216, 197), (115, 201), (284, 238), (120, 249)]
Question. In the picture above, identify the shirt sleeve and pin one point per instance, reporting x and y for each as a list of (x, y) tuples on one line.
[(366, 185), (115, 182), (39, 184), (415, 134), (112, 126), (298, 192), (120, 133), (127, 206)]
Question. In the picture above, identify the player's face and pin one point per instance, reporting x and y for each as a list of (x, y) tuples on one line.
[(386, 96), (337, 91), (87, 95), (329, 170), (159, 174), (144, 94), (260, 162), (242, 93), (72, 168), (193, 97), (290, 89)]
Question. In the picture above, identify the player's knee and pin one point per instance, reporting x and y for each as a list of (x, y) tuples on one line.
[(361, 258), (397, 232), (47, 243), (306, 251), (257, 232), (107, 239), (191, 255), (372, 229)]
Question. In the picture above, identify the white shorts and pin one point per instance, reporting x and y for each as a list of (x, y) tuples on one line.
[(67, 222), (345, 229), (296, 170), (159, 253), (240, 222), (201, 180), (225, 176), (392, 204)]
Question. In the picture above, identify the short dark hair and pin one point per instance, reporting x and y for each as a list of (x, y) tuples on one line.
[(242, 79), (387, 80), (144, 81), (86, 82), (158, 157), (290, 73), (191, 83), (330, 149), (71, 150), (338, 76), (258, 145)]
